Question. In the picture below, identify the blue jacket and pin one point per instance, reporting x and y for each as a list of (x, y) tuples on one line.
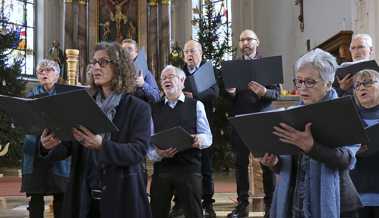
[(38, 174)]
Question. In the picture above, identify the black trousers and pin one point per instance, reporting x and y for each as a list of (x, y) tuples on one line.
[(352, 214), (242, 154), (369, 212), (37, 205), (187, 188), (207, 174)]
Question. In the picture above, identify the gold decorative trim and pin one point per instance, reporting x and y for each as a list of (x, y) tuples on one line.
[(165, 2), (68, 1), (153, 3), (82, 2)]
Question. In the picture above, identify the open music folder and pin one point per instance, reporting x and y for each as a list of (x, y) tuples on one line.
[(266, 71), (174, 137), (202, 79), (354, 68), (334, 123), (59, 113), (140, 62)]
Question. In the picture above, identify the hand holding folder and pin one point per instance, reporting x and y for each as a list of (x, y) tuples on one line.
[(59, 113), (266, 71), (176, 137), (354, 68), (202, 79), (334, 123)]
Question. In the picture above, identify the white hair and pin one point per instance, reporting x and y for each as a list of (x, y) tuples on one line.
[(179, 72), (320, 60), (366, 37), (45, 63)]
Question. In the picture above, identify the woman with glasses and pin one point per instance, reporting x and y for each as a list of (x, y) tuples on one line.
[(39, 176), (107, 175), (315, 183), (366, 174)]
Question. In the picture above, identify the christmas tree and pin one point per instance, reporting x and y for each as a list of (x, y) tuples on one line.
[(214, 36), (10, 84)]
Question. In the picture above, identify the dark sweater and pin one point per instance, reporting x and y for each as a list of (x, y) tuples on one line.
[(184, 115)]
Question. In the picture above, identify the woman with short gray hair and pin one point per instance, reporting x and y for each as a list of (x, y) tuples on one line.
[(366, 174), (41, 177), (315, 183)]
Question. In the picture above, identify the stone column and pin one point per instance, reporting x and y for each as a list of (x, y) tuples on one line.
[(181, 21), (164, 33), (82, 40), (152, 39), (68, 24)]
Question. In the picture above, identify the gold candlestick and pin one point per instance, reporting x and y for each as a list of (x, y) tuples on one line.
[(72, 65)]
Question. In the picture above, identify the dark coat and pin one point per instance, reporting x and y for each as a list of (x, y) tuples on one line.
[(124, 189), (207, 97), (39, 175)]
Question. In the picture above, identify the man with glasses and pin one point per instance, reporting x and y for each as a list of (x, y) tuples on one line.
[(147, 88), (175, 172), (254, 98), (361, 49), (193, 61)]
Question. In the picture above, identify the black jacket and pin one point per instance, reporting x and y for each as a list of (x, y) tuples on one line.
[(124, 189)]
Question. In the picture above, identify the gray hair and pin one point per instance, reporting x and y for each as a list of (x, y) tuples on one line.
[(46, 63), (366, 37), (366, 74), (320, 60), (179, 72)]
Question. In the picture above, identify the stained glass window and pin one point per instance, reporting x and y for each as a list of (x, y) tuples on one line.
[(18, 15)]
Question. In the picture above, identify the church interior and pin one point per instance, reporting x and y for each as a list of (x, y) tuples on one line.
[(67, 31)]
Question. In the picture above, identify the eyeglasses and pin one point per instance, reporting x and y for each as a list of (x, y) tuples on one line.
[(358, 47), (169, 77), (366, 84), (190, 51), (101, 62), (47, 70), (248, 39), (308, 83)]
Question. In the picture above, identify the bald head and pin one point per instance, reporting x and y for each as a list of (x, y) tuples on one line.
[(248, 43), (192, 54)]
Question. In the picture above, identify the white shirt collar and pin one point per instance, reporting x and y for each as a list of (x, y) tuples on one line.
[(181, 98)]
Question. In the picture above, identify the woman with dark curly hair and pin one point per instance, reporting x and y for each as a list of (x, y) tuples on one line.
[(107, 176)]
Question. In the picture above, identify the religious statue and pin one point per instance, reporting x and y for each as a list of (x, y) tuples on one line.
[(118, 16), (56, 54)]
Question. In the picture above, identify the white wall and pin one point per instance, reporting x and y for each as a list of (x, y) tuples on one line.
[(276, 23), (366, 20), (49, 26), (325, 18)]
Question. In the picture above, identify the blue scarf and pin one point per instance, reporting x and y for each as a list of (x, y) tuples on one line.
[(322, 185)]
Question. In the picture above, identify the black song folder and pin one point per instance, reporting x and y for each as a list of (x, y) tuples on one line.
[(266, 71), (174, 137), (202, 79), (334, 123), (356, 67), (59, 113), (373, 136)]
